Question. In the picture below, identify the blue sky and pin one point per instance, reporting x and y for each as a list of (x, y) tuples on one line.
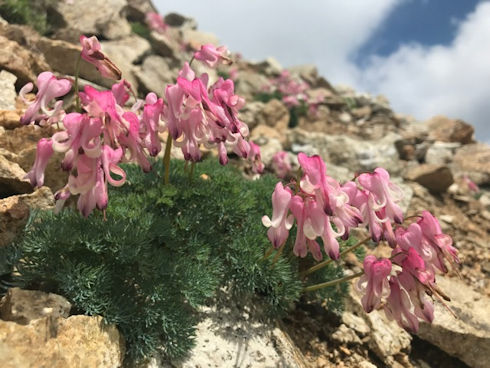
[(427, 56)]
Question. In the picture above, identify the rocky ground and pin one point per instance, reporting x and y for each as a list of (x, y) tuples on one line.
[(432, 162)]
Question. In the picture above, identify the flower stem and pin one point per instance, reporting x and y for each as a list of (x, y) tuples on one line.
[(191, 171), (77, 73), (267, 253), (328, 261), (332, 282), (277, 255), (192, 59), (166, 158)]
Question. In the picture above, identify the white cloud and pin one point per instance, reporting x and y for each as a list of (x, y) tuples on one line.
[(453, 80)]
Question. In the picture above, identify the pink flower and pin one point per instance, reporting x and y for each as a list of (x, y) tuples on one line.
[(399, 307), (43, 154), (92, 54), (471, 184), (385, 193), (212, 55), (255, 158), (49, 88), (280, 223), (374, 282), (281, 164), (152, 111), (155, 22)]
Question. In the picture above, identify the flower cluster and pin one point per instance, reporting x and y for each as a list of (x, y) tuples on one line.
[(104, 133), (323, 208)]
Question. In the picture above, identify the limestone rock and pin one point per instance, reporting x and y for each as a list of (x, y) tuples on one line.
[(441, 153), (466, 337), (386, 338), (165, 44), (249, 113), (75, 342), (276, 115), (436, 178), (346, 335), (9, 119), (137, 9), (131, 48), (356, 155), (21, 62), (249, 84), (12, 179), (23, 306), (155, 74), (473, 160), (270, 67), (444, 129), (7, 90), (14, 212), (195, 39), (62, 57), (89, 17)]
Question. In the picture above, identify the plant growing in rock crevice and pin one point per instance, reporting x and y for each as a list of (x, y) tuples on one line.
[(169, 240)]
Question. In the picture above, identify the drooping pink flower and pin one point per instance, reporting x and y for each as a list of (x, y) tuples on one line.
[(281, 164), (155, 22), (374, 282), (398, 306), (49, 88), (212, 55), (280, 223), (255, 157), (43, 154), (471, 184), (91, 52), (152, 112), (385, 193)]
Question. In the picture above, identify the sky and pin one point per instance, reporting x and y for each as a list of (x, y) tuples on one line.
[(427, 57)]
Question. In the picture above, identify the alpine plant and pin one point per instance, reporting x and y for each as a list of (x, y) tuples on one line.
[(105, 132), (402, 285)]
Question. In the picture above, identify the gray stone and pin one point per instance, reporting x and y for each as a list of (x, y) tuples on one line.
[(7, 90), (166, 44), (346, 335), (99, 17), (155, 74), (467, 336), (250, 83), (178, 20), (441, 153), (356, 155), (12, 179)]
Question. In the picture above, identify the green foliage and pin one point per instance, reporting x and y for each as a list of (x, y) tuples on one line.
[(140, 29), (296, 112), (32, 13), (267, 96), (162, 252), (223, 74)]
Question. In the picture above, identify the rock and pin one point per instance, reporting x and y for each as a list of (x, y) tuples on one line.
[(250, 112), (92, 17), (23, 306), (386, 338), (132, 49), (473, 160), (166, 44), (356, 323), (262, 133), (249, 84), (136, 9), (276, 115), (125, 53), (466, 337), (195, 39), (407, 193), (356, 155), (12, 179), (345, 335), (62, 57), (363, 112), (155, 74), (270, 67), (436, 178), (9, 119), (232, 337), (444, 129), (339, 173), (14, 212), (441, 153), (24, 64), (308, 72), (7, 90), (75, 342), (178, 20), (268, 148)]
